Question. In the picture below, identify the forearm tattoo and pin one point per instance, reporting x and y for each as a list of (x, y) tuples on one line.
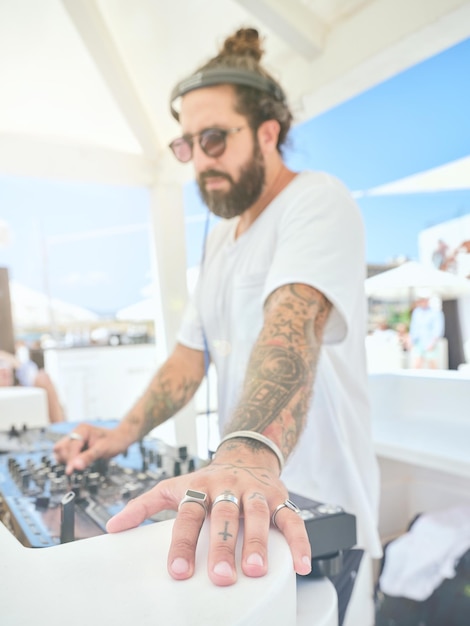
[(279, 380), (166, 395)]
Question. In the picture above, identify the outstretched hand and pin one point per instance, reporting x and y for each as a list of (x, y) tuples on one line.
[(245, 483)]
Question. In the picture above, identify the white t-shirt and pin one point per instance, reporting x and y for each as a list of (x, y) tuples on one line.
[(311, 233)]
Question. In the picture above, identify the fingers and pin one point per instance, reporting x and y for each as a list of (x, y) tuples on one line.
[(67, 450), (293, 528), (80, 460), (86, 444), (186, 529), (256, 532), (225, 521), (226, 507), (138, 510)]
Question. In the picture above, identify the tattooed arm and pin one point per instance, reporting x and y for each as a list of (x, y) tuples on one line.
[(277, 392), (170, 390), (279, 379)]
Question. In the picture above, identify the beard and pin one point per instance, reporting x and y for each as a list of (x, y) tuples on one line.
[(242, 194)]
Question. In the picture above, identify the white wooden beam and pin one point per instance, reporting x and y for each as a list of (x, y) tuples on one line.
[(99, 42), (291, 21)]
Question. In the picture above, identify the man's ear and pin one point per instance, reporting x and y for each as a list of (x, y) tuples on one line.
[(268, 134)]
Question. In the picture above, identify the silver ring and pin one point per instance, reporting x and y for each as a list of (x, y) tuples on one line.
[(76, 437), (226, 497), (288, 504), (198, 497)]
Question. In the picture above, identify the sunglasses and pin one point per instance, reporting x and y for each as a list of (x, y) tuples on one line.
[(212, 141)]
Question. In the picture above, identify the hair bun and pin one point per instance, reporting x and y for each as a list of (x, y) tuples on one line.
[(245, 42)]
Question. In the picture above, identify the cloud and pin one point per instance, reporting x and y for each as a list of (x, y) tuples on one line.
[(85, 279), (97, 233)]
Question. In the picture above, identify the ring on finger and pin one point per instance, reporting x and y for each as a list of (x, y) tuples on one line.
[(288, 504), (198, 497), (226, 497), (76, 436)]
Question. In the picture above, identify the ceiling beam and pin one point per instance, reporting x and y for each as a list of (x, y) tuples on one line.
[(92, 28), (296, 25)]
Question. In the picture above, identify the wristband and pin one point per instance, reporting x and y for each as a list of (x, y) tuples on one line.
[(251, 434)]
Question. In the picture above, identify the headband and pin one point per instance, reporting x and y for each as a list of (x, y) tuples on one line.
[(219, 76)]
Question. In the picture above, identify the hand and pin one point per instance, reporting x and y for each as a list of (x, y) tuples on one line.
[(251, 477), (88, 443)]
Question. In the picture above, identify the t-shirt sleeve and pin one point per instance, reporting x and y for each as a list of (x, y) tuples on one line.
[(321, 243)]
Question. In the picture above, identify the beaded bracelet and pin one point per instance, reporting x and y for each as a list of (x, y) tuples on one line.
[(251, 434)]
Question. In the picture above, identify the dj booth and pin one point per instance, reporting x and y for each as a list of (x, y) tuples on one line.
[(59, 566)]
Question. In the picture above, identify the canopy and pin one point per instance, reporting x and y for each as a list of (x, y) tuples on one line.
[(449, 177), (85, 83), (32, 309), (402, 283)]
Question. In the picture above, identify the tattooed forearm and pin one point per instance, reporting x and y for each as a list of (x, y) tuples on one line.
[(170, 390), (275, 375), (279, 381)]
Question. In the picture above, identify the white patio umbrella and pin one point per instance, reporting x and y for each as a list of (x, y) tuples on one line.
[(33, 309), (144, 310), (402, 282)]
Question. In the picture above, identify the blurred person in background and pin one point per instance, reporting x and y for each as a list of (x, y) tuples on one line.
[(20, 370), (426, 329)]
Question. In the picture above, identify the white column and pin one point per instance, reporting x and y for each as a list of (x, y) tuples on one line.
[(169, 257)]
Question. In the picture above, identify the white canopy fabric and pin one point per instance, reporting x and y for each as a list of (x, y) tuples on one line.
[(449, 177), (402, 283), (85, 83), (144, 310), (32, 309)]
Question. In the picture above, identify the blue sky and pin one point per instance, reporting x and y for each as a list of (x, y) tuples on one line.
[(412, 122)]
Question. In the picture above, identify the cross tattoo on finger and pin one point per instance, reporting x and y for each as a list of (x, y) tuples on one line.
[(225, 534)]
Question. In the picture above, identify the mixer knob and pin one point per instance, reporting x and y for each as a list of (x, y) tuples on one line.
[(13, 432), (58, 484), (42, 502)]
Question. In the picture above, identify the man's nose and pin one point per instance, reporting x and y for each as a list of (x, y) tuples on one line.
[(202, 161)]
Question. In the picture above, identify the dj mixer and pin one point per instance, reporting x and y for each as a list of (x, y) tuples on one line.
[(42, 506)]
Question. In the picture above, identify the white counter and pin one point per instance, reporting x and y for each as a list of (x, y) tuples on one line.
[(23, 405), (423, 417), (421, 429), (122, 579)]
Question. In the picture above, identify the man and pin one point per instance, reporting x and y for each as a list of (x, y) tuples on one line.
[(280, 310), (426, 329)]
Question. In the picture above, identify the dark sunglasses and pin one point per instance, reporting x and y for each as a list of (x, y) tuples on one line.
[(212, 141)]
